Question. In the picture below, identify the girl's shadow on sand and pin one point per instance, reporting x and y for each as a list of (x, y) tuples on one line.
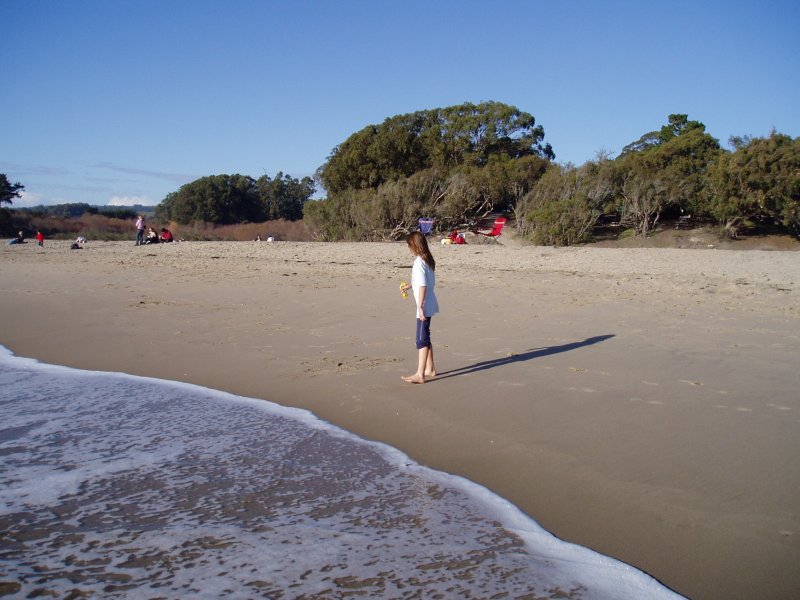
[(514, 358)]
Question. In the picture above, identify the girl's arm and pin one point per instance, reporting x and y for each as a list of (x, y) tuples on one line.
[(423, 290)]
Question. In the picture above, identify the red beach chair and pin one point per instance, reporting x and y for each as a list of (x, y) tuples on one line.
[(496, 230)]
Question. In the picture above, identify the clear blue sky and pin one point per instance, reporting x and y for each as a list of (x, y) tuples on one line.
[(124, 101)]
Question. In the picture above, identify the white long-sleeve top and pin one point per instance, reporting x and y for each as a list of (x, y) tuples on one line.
[(423, 276)]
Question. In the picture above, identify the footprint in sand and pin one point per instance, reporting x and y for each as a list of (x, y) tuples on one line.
[(736, 408), (690, 382), (650, 382), (779, 407), (651, 402)]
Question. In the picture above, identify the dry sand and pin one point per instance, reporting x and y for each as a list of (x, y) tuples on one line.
[(642, 402)]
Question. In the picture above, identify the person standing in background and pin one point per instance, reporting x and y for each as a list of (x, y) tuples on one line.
[(140, 230)]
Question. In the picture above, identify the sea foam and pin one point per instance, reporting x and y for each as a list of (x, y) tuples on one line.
[(124, 486)]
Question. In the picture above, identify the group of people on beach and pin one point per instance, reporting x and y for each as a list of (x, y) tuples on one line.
[(151, 237), (20, 239)]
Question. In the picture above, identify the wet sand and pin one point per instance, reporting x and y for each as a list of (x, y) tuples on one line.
[(641, 402)]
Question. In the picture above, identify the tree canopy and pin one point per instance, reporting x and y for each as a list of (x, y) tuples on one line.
[(677, 170), (663, 170), (442, 138), (454, 164), (682, 167), (8, 190), (676, 125), (460, 163), (228, 199), (760, 179)]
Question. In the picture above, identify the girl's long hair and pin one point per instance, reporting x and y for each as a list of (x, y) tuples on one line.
[(419, 246)]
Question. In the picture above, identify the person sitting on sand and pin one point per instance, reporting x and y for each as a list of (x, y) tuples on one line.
[(78, 244), (152, 237), (457, 238), (166, 236), (20, 239), (423, 283)]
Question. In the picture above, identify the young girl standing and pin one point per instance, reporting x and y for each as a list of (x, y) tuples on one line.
[(423, 284)]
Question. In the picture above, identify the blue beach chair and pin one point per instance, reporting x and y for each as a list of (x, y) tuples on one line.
[(425, 226)]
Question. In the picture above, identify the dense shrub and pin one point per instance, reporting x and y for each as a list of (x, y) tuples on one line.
[(564, 222), (90, 226), (760, 179), (452, 199), (564, 205), (279, 229)]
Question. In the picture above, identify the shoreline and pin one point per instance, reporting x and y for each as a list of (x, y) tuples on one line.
[(630, 445), (268, 477)]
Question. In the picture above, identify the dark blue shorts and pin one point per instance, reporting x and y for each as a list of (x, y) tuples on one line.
[(424, 333)]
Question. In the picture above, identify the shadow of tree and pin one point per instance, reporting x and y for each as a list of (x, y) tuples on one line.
[(515, 358)]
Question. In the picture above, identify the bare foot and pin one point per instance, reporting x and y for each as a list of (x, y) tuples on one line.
[(430, 374), (413, 379)]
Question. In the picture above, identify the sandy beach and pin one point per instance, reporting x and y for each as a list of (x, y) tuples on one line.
[(641, 402)]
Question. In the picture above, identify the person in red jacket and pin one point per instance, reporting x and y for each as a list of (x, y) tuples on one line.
[(40, 238), (457, 238), (166, 235)]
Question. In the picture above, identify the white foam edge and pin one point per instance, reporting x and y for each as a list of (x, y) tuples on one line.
[(611, 575)]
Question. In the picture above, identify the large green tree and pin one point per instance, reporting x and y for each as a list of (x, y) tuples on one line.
[(8, 190), (760, 179), (284, 197), (227, 199), (665, 169), (676, 126), (454, 164), (222, 199), (442, 138)]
